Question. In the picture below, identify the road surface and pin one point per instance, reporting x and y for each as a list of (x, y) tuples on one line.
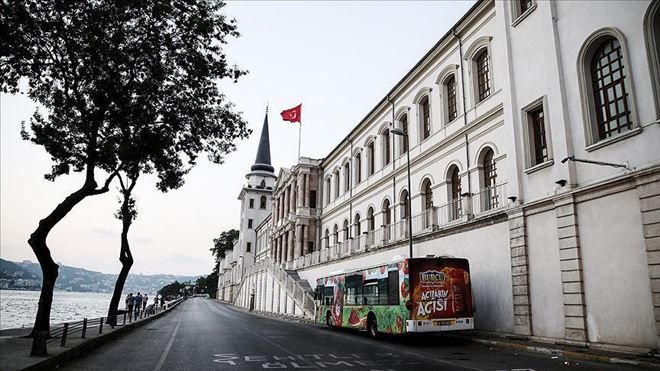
[(204, 334)]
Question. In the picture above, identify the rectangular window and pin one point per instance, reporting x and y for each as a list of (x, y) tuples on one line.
[(358, 168), (336, 184), (371, 158), (393, 287), (538, 139), (252, 203), (426, 117), (354, 290), (328, 295), (250, 223), (483, 75), (451, 99), (310, 246), (327, 191), (312, 199), (249, 246)]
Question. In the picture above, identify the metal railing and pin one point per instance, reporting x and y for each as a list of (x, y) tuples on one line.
[(489, 198), (62, 332)]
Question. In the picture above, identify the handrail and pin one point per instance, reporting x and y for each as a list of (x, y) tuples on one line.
[(65, 330)]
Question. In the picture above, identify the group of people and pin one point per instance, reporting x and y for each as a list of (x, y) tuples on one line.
[(138, 303)]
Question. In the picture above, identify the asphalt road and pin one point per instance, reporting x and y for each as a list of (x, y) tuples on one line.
[(203, 334)]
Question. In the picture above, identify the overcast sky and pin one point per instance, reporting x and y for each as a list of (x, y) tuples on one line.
[(338, 58)]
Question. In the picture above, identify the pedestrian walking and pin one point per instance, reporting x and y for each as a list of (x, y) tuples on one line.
[(145, 299), (130, 301), (138, 304)]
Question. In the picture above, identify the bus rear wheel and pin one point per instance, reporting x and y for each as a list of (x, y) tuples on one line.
[(372, 326)]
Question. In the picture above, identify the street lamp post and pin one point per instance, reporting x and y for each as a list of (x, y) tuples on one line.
[(397, 131)]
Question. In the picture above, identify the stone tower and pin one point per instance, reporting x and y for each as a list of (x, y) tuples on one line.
[(255, 201)]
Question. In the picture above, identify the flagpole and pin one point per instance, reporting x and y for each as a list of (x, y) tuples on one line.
[(299, 135)]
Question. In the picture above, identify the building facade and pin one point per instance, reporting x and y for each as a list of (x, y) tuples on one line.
[(295, 222), (534, 144)]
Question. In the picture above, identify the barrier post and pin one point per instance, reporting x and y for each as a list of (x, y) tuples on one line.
[(101, 326), (64, 332), (84, 329)]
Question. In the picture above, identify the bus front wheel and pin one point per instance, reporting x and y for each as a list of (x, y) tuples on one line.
[(372, 326)]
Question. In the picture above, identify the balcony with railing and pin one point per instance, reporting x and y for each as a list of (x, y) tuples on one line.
[(457, 211)]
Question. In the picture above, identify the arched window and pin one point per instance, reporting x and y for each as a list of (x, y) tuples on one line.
[(403, 125), (336, 234), (490, 198), (405, 199), (327, 190), (358, 168), (371, 225), (606, 86), (481, 63), (387, 213), (425, 116), (358, 226), (262, 202), (455, 204), (346, 230), (347, 176), (428, 195), (387, 150), (371, 158), (336, 184), (327, 238), (450, 100), (427, 198), (610, 96)]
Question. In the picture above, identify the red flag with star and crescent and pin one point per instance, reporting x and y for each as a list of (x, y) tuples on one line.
[(292, 114)]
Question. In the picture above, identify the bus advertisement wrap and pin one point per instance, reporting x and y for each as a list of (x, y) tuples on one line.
[(410, 295), (440, 290)]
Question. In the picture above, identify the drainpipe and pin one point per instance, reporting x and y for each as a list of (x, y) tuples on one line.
[(467, 149)]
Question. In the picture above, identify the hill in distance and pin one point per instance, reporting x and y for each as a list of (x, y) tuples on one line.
[(83, 280)]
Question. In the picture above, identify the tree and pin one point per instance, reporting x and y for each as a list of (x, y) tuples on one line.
[(127, 213), (222, 244), (109, 74), (208, 284)]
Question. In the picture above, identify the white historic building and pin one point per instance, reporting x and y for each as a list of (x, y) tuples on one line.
[(533, 129)]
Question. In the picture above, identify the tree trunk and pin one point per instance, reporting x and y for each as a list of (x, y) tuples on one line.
[(126, 259), (41, 330)]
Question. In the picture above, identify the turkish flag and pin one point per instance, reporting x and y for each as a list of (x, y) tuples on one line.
[(292, 114)]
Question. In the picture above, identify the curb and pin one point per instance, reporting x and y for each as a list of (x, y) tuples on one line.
[(55, 361), (573, 355)]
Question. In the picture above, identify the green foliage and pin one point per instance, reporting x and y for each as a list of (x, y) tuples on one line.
[(133, 82), (208, 284), (172, 289), (222, 244)]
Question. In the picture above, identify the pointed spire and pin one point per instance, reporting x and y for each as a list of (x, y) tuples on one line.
[(262, 162)]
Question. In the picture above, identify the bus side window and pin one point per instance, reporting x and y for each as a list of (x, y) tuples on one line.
[(393, 278), (328, 295), (383, 294), (354, 290)]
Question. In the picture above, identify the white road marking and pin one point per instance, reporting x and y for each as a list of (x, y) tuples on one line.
[(161, 361)]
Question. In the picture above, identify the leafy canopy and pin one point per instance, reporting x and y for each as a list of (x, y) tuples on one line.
[(129, 83), (222, 244)]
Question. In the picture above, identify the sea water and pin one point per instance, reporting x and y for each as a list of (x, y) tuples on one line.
[(18, 308)]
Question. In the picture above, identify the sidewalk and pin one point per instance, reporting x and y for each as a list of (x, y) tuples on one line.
[(567, 352), (15, 354)]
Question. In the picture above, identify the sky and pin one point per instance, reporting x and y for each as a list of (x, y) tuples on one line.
[(337, 58)]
